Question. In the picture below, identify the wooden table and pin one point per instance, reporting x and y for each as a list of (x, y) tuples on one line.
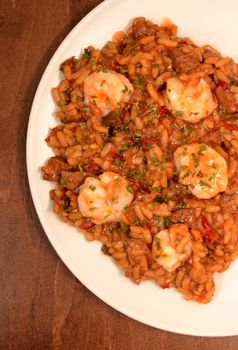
[(42, 305)]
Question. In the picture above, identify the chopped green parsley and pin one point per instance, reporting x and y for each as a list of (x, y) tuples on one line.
[(204, 184), (179, 113), (167, 221), (221, 111), (92, 61), (140, 83), (202, 149), (117, 161), (125, 89), (105, 250), (196, 159), (183, 167), (130, 189), (63, 182), (92, 188), (123, 227), (157, 240), (124, 70), (187, 131), (92, 208), (86, 53)]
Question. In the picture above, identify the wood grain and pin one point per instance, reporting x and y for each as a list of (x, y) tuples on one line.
[(42, 305)]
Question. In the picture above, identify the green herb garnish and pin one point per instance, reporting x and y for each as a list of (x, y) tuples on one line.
[(68, 209), (125, 89), (204, 183), (135, 174), (130, 189), (187, 131), (116, 179), (196, 159), (202, 149), (157, 240), (221, 111), (167, 221), (160, 199), (137, 222), (63, 182), (124, 70), (124, 147), (80, 168), (140, 83), (117, 161), (183, 167), (138, 133), (86, 53), (92, 61), (178, 113), (180, 205), (105, 250), (123, 227), (155, 189), (92, 208), (87, 109)]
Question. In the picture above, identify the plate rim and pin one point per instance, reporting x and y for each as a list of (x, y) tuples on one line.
[(40, 213)]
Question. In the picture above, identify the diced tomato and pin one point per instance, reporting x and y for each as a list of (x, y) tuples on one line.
[(135, 184), (71, 64), (149, 224), (165, 112), (86, 225), (122, 156), (115, 155), (138, 186), (223, 84), (201, 297), (209, 234), (93, 168), (164, 285), (229, 126)]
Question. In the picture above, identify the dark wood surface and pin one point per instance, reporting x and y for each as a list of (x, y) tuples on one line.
[(42, 305)]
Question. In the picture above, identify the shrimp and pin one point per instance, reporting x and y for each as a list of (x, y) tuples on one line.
[(172, 247), (107, 91), (190, 101), (103, 199), (201, 168)]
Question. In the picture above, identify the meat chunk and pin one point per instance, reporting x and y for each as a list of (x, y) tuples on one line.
[(184, 59), (227, 100), (93, 168), (131, 48), (108, 62), (52, 171), (184, 216), (73, 179), (113, 118), (140, 29)]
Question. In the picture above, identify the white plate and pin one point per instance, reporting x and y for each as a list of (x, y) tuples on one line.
[(213, 22)]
